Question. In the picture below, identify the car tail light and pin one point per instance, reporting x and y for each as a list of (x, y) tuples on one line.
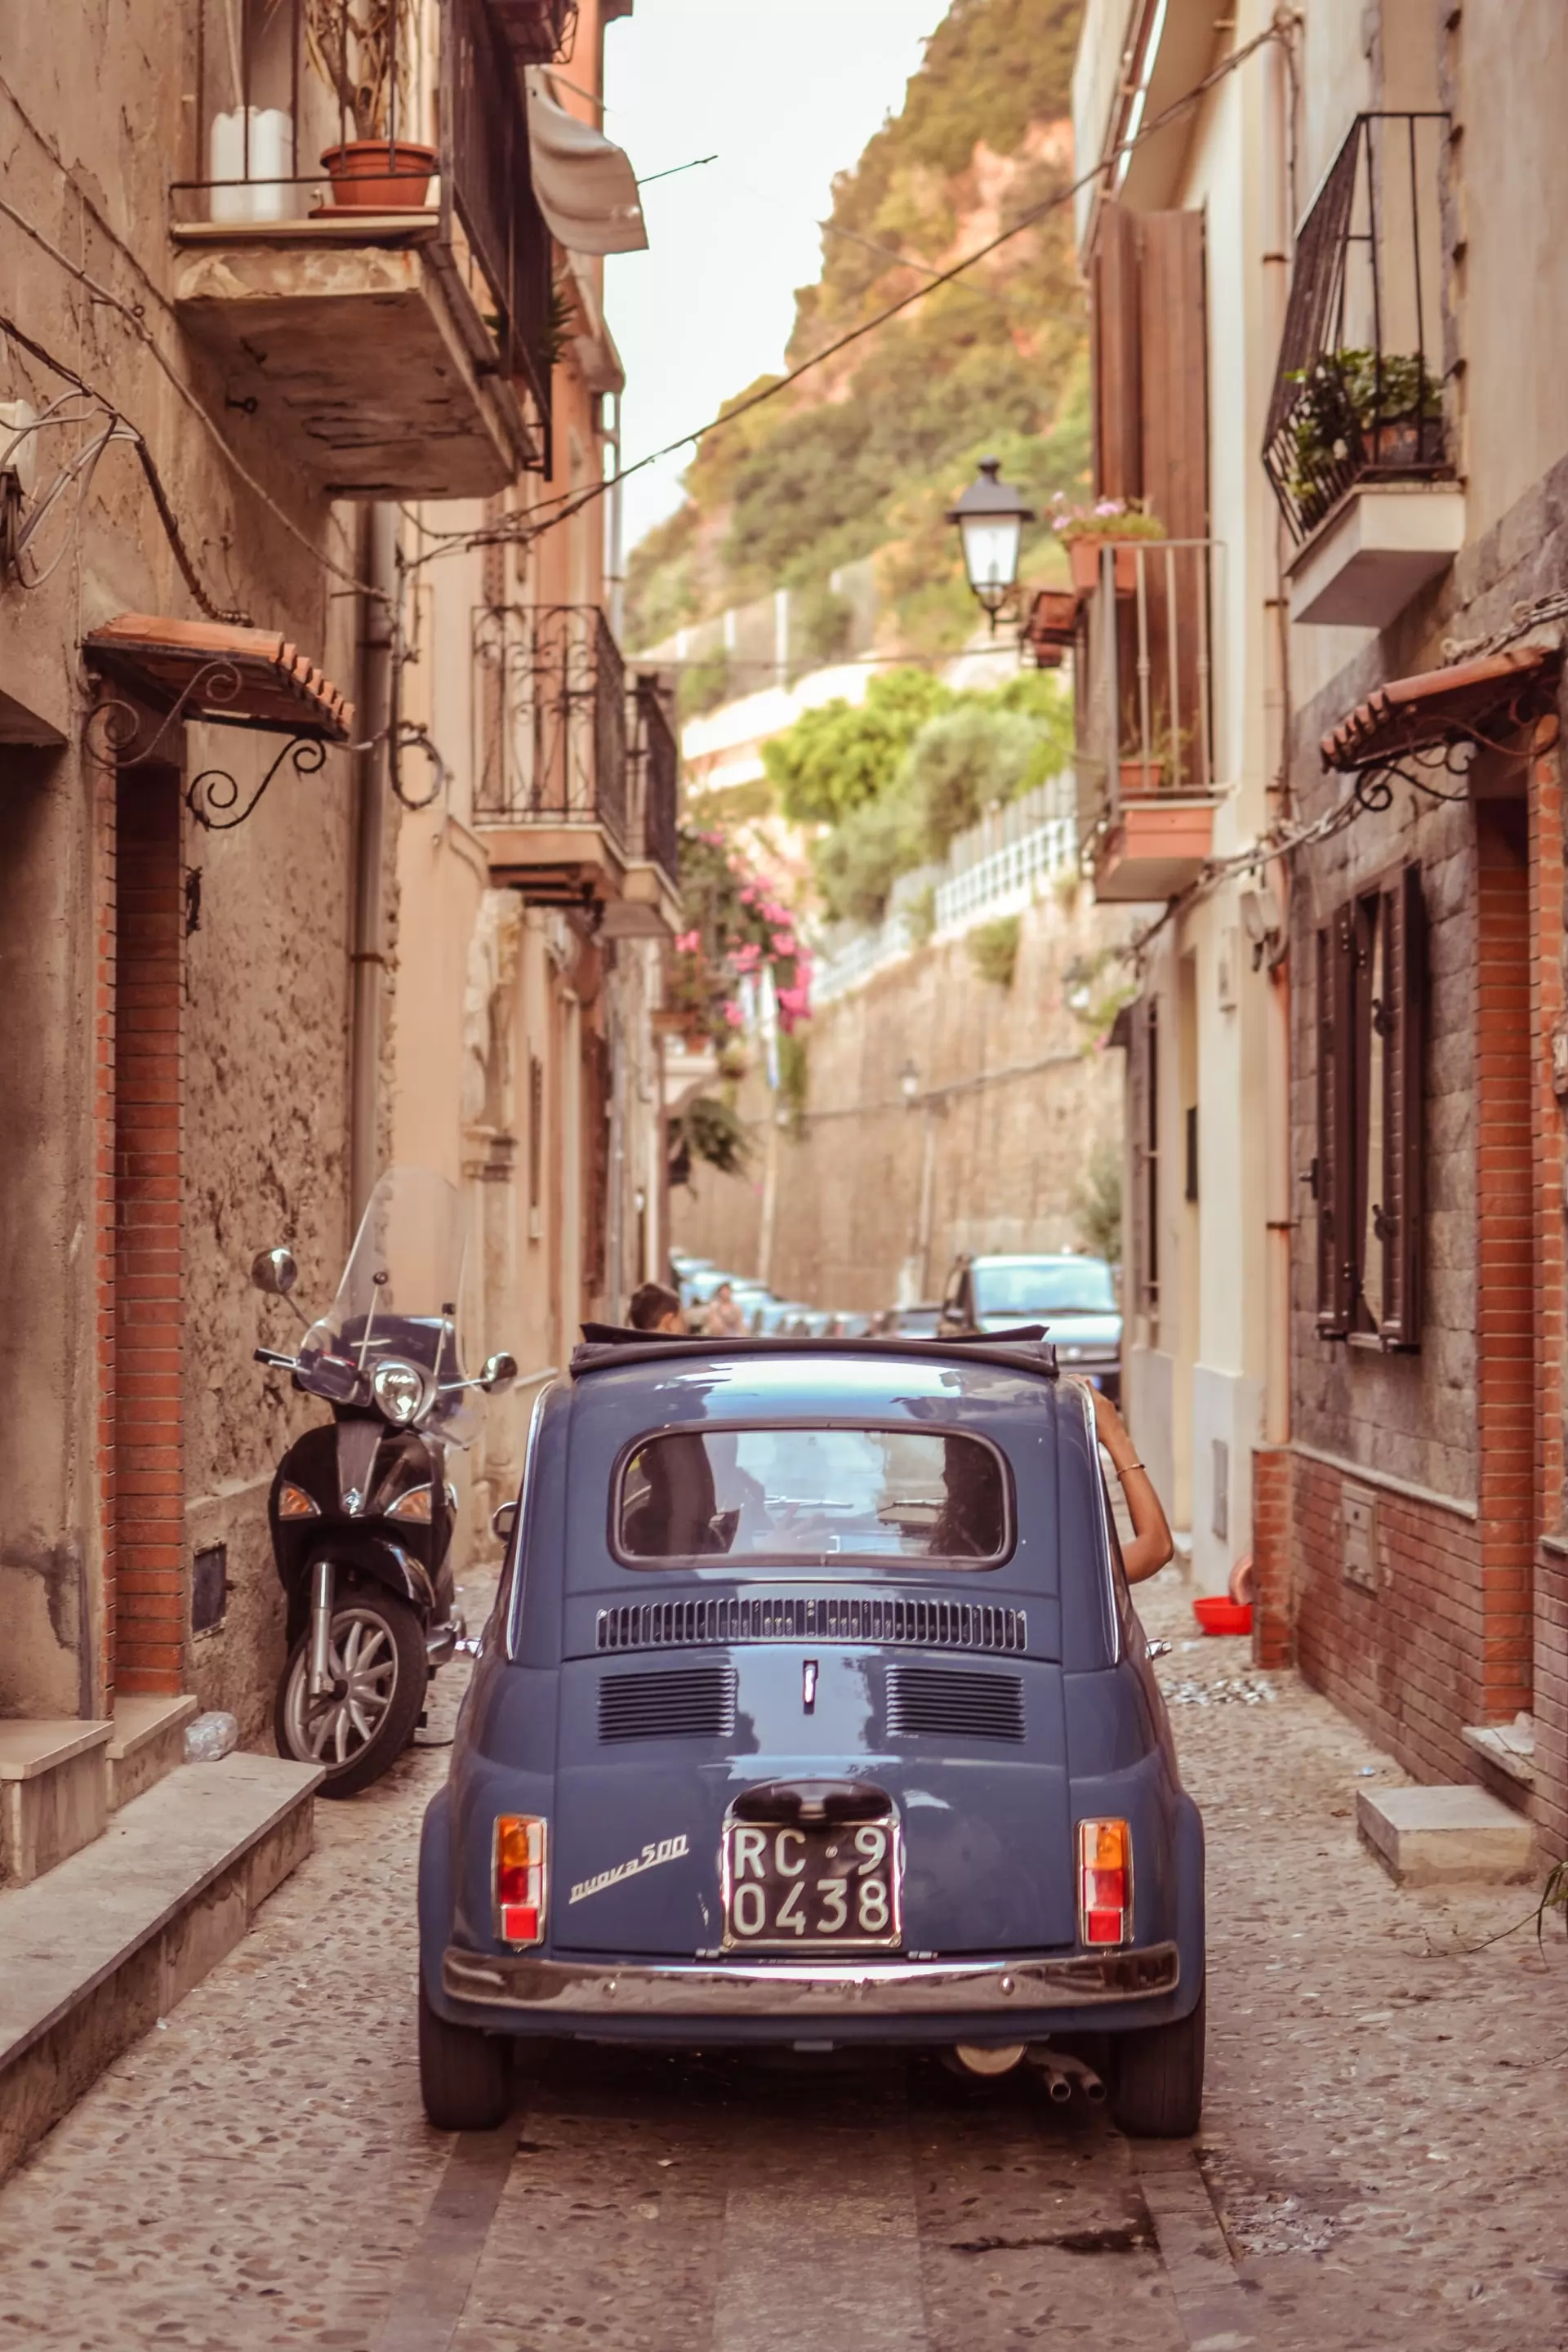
[(519, 1878), (1104, 1882)]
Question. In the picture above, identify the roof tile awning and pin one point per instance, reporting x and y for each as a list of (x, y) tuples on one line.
[(224, 676), (1479, 700)]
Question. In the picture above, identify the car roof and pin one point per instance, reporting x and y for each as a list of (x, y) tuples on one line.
[(817, 1360), (1037, 1257)]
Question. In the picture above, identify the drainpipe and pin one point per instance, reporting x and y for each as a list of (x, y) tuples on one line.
[(378, 570)]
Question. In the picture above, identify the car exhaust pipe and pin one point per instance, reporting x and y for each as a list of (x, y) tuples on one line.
[(980, 2058), (1062, 2075)]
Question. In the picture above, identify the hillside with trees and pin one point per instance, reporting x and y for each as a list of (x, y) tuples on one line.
[(862, 457)]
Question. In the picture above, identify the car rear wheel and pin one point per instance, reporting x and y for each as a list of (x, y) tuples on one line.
[(465, 2076), (1157, 2078), (361, 1725)]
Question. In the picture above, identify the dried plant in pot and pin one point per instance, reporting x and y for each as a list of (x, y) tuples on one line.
[(1083, 531), (364, 51)]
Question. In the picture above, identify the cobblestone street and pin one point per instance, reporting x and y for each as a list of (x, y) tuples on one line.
[(1383, 2142)]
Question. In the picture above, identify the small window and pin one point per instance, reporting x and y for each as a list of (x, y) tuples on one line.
[(819, 1499)]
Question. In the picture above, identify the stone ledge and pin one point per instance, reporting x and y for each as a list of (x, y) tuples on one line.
[(149, 1741), (1446, 1836), (54, 1792), (108, 1942)]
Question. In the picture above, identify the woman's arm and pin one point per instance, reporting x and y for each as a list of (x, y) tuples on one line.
[(1150, 1545)]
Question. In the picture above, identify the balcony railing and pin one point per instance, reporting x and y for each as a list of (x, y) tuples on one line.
[(655, 763), (1358, 394), (1142, 678), (312, 111), (551, 718)]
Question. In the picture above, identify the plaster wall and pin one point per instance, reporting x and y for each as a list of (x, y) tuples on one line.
[(88, 161)]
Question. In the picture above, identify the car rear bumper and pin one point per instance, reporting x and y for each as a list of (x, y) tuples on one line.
[(571, 1996)]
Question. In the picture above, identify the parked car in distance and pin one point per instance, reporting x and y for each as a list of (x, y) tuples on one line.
[(918, 1322), (775, 1315), (813, 1707), (1073, 1296)]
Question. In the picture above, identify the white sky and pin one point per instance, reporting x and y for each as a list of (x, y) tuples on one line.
[(786, 92)]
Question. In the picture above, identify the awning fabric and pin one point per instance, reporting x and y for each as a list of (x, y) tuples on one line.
[(586, 188), (1489, 696), (280, 689)]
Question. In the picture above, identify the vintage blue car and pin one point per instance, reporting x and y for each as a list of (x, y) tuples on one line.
[(814, 1711)]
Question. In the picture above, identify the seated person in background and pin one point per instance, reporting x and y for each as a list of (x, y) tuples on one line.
[(654, 1309)]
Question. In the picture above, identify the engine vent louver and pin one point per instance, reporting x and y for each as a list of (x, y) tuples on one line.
[(764, 1617), (934, 1702), (690, 1703)]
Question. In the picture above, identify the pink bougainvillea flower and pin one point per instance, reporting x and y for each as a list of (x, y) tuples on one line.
[(733, 1013), (689, 942)]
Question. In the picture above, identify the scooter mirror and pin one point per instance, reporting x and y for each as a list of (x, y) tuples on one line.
[(502, 1519), (274, 1271), (498, 1374)]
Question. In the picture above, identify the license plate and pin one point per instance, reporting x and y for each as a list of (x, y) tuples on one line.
[(834, 1884)]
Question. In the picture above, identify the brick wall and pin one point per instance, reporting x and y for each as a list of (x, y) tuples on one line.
[(1273, 1617), (150, 1610)]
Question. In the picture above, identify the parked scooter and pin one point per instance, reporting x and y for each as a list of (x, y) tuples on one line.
[(362, 1513)]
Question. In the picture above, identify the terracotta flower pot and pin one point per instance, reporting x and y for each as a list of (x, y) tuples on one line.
[(1138, 780), (1083, 555), (380, 175)]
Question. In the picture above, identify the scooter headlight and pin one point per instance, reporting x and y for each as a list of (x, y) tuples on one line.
[(398, 1389)]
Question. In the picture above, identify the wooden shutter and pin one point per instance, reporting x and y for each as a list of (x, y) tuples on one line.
[(1114, 317), (1138, 1154), (1173, 371), (1404, 1024), (1336, 1120)]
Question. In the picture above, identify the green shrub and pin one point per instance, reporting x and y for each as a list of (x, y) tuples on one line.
[(1097, 1204), (994, 949)]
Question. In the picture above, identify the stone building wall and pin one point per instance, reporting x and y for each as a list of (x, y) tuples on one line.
[(1019, 1097)]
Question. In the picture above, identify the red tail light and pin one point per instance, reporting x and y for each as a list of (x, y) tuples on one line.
[(520, 1889), (1104, 1882)]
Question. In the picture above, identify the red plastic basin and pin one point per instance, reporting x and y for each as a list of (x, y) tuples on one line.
[(1215, 1614)]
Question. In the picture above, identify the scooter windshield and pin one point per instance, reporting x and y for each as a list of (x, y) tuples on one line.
[(397, 1302)]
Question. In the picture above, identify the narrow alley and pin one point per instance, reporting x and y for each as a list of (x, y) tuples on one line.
[(1384, 2140)]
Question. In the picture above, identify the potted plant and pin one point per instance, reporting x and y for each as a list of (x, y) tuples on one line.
[(1356, 410), (1083, 531), (362, 50)]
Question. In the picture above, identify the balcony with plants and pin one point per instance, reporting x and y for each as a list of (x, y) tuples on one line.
[(1358, 443), (552, 798), (358, 246), (1143, 701)]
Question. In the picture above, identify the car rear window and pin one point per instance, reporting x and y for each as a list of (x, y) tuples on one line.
[(1025, 1287), (826, 1498)]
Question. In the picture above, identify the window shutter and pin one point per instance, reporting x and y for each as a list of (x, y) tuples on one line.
[(1336, 1110), (1173, 371), (1114, 309), (1138, 1099), (1403, 1021)]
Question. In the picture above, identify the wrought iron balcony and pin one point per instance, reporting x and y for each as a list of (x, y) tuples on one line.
[(360, 241), (1359, 390), (656, 769), (549, 733), (1144, 722)]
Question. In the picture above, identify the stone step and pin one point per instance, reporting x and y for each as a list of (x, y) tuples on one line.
[(1447, 1837), (149, 1741), (96, 1950), (54, 1792)]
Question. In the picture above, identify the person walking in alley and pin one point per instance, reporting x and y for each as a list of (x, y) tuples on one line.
[(1152, 1545), (724, 1319), (654, 1309)]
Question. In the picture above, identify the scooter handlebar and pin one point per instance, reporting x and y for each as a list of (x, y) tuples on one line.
[(281, 1363)]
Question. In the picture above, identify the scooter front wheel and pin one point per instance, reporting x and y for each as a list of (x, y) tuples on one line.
[(361, 1723)]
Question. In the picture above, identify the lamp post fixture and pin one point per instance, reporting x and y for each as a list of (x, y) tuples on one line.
[(991, 516), (909, 1084)]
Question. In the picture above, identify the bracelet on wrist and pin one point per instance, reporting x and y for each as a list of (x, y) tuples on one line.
[(1127, 1468)]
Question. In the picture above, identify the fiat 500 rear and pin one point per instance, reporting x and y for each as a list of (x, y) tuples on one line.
[(814, 1711)]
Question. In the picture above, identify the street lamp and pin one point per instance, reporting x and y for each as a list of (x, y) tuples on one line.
[(991, 516), (909, 1084)]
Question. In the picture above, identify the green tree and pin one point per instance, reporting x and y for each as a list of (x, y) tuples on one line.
[(841, 755)]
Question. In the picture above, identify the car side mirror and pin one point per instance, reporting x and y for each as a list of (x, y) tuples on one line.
[(498, 1373), (275, 1271), (503, 1518)]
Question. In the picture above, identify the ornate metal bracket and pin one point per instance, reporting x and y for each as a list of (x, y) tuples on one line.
[(214, 794), (114, 728)]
